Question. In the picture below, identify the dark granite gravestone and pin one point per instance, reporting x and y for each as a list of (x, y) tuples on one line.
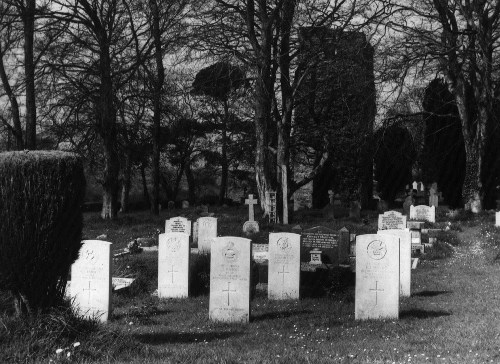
[(324, 239)]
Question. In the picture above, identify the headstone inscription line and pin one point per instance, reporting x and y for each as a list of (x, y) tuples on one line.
[(284, 266), (90, 288), (230, 280), (173, 265), (404, 258), (377, 277)]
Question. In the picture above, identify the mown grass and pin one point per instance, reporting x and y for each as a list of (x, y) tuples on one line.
[(451, 317)]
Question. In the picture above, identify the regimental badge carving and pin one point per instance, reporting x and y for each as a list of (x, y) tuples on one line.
[(88, 254), (173, 244), (230, 252), (377, 250), (283, 244)]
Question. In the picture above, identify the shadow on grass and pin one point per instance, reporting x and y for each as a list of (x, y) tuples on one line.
[(422, 314), (183, 337), (430, 293), (278, 315), (141, 314)]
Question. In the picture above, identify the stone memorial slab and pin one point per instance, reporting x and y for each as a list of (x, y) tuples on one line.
[(423, 213), (324, 239), (260, 252), (119, 283), (91, 280), (178, 224), (391, 220), (404, 259), (207, 232), (230, 280), (377, 277), (497, 218), (284, 266), (173, 265)]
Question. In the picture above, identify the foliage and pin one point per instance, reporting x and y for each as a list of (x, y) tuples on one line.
[(199, 270), (41, 194), (218, 80)]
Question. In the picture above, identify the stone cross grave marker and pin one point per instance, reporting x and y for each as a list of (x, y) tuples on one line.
[(251, 226), (377, 277), (391, 220), (284, 266), (207, 232), (404, 259), (178, 224), (326, 240), (173, 265), (230, 280), (91, 280), (423, 213)]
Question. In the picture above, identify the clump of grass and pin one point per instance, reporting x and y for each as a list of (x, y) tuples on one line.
[(440, 250), (448, 237), (142, 267), (58, 335)]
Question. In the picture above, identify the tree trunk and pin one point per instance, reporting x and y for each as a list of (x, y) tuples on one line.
[(191, 184), (224, 161), (145, 193), (29, 69), (127, 176), (178, 179)]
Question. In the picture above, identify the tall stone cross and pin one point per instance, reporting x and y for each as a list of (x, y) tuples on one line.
[(330, 196), (250, 202)]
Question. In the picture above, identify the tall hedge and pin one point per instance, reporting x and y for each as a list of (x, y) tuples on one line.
[(41, 196)]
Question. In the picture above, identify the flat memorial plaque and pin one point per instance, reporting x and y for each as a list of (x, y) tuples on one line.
[(173, 265), (404, 258), (91, 280), (377, 277), (230, 280), (284, 266)]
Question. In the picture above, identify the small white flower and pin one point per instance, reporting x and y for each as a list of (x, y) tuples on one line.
[(77, 344), (59, 351)]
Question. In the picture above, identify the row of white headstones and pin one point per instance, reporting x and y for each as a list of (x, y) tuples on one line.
[(383, 274)]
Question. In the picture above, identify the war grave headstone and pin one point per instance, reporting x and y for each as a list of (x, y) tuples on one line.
[(497, 218), (178, 224), (230, 280), (324, 239), (284, 266), (173, 265), (91, 280), (377, 277), (423, 213), (251, 226), (391, 220), (404, 258), (207, 232)]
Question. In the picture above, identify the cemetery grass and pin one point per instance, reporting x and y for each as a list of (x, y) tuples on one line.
[(452, 316)]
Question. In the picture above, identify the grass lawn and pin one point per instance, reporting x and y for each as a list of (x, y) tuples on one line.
[(453, 315)]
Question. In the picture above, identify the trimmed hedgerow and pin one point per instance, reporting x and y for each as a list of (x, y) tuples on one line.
[(41, 196)]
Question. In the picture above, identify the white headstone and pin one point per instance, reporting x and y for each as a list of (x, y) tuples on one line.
[(497, 218), (423, 213), (377, 277), (207, 232), (391, 220), (284, 266), (414, 185), (91, 280), (404, 259), (178, 224), (230, 280), (173, 265)]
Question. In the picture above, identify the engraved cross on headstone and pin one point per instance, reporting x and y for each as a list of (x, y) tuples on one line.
[(173, 271), (377, 290), (228, 290), (250, 202), (283, 272), (89, 290)]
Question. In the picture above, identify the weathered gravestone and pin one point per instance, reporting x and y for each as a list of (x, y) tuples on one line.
[(91, 280), (178, 224), (207, 232), (185, 204), (391, 220), (497, 218), (230, 280), (377, 277), (260, 252), (251, 226), (404, 259), (407, 203), (284, 266), (326, 240), (423, 213), (173, 265)]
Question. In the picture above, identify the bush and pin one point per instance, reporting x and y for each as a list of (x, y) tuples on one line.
[(41, 196), (199, 274)]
